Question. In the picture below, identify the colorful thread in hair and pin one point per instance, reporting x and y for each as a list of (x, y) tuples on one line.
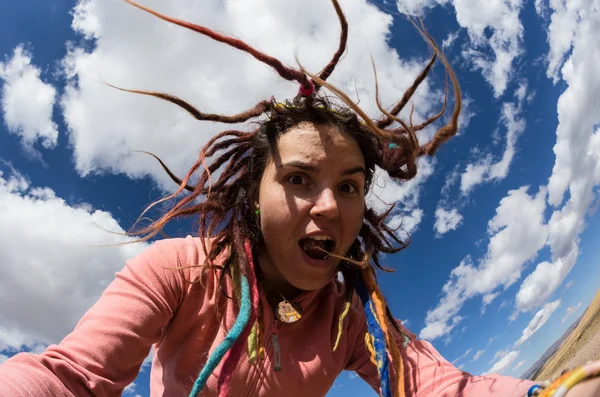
[(225, 345), (260, 337), (234, 354), (252, 344), (307, 91), (371, 349), (256, 348), (236, 279), (378, 304), (378, 338), (341, 325)]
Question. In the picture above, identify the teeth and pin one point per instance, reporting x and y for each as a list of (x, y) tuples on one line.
[(322, 238)]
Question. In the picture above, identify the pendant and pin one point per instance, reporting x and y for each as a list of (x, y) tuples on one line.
[(288, 312)]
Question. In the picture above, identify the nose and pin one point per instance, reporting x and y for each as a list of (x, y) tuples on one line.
[(325, 206)]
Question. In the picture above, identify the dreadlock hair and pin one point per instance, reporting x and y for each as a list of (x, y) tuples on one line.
[(225, 216)]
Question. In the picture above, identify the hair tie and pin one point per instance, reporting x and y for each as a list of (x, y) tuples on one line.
[(307, 91)]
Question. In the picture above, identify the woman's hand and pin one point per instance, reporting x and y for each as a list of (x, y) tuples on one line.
[(587, 388)]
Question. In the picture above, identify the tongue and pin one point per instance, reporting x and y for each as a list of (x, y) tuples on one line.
[(311, 247)]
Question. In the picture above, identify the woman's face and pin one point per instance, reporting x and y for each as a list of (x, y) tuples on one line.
[(312, 190)]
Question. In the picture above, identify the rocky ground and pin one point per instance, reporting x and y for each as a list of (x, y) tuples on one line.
[(581, 346)]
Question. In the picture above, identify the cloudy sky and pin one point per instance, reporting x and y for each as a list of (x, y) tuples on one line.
[(503, 219)]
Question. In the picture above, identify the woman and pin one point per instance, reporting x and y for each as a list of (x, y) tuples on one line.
[(254, 305)]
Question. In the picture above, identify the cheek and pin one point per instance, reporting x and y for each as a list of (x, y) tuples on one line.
[(354, 222), (272, 220), (281, 210), (276, 216)]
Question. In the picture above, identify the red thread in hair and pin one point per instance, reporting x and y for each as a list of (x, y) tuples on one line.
[(307, 91)]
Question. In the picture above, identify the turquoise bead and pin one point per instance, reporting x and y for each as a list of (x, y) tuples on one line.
[(532, 390)]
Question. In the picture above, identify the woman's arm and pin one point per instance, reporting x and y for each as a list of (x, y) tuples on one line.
[(588, 388), (427, 373), (105, 351)]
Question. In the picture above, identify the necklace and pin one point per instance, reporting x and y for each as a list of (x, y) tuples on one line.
[(288, 312)]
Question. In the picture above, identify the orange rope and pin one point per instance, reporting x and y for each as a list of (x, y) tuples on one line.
[(379, 303)]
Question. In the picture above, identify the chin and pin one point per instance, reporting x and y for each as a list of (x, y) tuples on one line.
[(311, 285), (314, 281)]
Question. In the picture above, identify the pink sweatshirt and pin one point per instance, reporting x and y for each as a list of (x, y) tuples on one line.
[(149, 303)]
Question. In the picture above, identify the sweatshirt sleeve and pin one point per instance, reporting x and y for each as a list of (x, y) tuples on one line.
[(107, 347), (427, 373)]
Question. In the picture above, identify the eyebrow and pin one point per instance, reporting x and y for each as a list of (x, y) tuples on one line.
[(312, 168)]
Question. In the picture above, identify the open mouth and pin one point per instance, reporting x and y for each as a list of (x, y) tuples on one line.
[(317, 247)]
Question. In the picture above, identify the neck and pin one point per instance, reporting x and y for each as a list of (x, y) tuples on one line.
[(275, 287)]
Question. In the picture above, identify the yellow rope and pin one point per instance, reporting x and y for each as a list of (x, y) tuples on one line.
[(371, 349), (341, 324), (252, 344), (261, 344)]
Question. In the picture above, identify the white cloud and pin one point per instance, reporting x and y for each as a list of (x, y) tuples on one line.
[(27, 102), (449, 40), (86, 20), (129, 389), (499, 18), (385, 192), (521, 92), (463, 356), (417, 7), (446, 220), (66, 261), (136, 50), (538, 320), (502, 364), (478, 354), (519, 365), (474, 175), (3, 358), (573, 36), (451, 180), (561, 32), (569, 284), (543, 281), (569, 311), (499, 354), (517, 232), (485, 169), (148, 360), (467, 112), (444, 317), (540, 8), (577, 107)]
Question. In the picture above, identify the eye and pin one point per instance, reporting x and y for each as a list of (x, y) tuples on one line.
[(297, 179), (349, 188)]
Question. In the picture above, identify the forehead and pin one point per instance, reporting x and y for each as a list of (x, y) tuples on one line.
[(318, 143)]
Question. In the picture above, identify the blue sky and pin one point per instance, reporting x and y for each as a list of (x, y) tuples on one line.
[(503, 218)]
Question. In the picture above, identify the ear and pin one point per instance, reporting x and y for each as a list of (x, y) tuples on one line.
[(253, 200)]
